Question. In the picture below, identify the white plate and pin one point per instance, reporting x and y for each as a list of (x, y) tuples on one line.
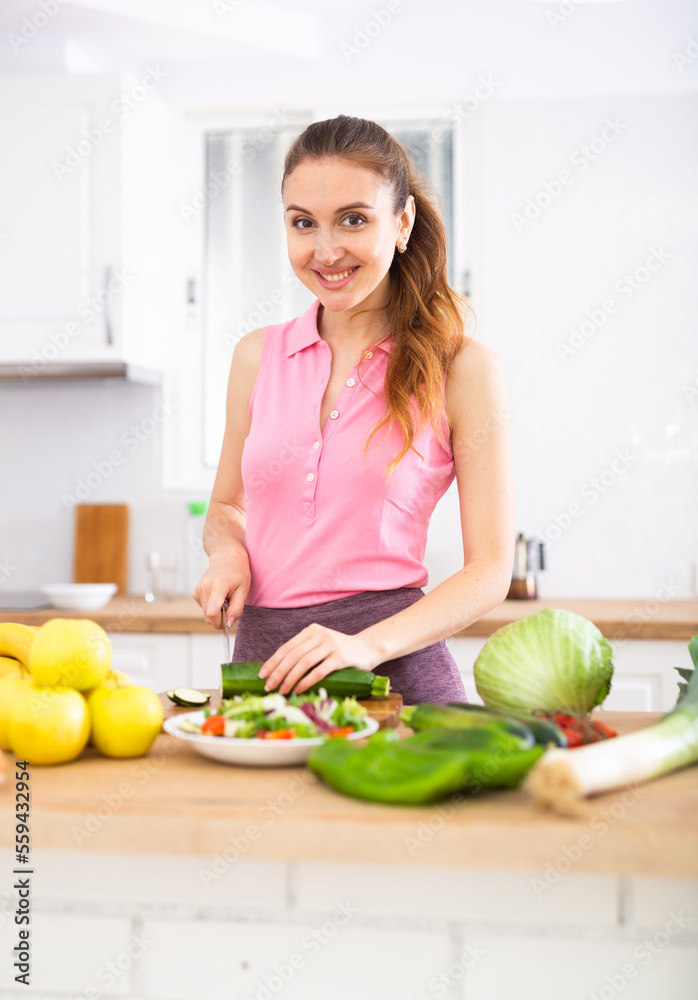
[(252, 753), (79, 596)]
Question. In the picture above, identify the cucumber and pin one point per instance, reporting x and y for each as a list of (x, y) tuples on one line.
[(545, 732), (429, 716), (489, 740), (188, 697), (243, 678)]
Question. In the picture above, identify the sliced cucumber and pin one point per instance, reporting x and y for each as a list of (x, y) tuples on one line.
[(188, 697)]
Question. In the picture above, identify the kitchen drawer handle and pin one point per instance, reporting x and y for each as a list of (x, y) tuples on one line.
[(108, 330)]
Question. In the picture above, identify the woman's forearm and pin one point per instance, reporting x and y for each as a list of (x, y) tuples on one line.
[(224, 531), (456, 603)]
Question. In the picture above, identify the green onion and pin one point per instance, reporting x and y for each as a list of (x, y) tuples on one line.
[(562, 779)]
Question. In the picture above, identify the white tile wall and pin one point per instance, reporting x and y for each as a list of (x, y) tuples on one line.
[(75, 952), (152, 880), (479, 896), (649, 900), (72, 425), (303, 960), (367, 930), (592, 969)]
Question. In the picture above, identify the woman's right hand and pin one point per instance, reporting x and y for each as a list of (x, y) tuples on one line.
[(227, 576)]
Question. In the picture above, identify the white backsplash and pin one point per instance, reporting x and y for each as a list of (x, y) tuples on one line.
[(60, 443)]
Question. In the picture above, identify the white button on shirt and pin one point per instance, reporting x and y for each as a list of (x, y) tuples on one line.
[(334, 414), (316, 445), (351, 381), (311, 476), (368, 354)]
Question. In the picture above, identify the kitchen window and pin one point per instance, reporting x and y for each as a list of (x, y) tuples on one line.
[(239, 277)]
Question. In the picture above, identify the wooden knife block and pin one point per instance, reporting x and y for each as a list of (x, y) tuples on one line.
[(101, 544)]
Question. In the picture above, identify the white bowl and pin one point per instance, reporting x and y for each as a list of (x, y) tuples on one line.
[(79, 596), (252, 752)]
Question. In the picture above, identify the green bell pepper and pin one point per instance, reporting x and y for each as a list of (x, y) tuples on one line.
[(425, 767)]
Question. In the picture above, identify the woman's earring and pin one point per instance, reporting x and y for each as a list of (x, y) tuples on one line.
[(401, 247)]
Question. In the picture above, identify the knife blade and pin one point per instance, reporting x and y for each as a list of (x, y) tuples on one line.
[(226, 633)]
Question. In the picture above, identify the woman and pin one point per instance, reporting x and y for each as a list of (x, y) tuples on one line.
[(344, 428)]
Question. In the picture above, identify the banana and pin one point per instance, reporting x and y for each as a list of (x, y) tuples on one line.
[(8, 665), (15, 640)]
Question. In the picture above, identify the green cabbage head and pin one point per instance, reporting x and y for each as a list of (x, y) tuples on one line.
[(551, 660)]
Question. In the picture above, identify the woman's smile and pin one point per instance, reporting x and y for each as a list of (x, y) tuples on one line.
[(338, 279)]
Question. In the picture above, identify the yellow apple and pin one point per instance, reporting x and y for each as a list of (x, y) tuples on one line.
[(11, 686), (48, 725), (125, 721), (114, 679), (70, 652), (117, 678)]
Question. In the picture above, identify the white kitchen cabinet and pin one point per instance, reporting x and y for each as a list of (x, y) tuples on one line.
[(643, 678), (86, 229), (155, 660), (464, 652), (162, 660), (206, 653)]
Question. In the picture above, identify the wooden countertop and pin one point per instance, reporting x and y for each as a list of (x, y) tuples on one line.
[(618, 619), (174, 801)]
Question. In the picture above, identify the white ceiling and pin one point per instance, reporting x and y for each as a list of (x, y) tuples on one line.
[(222, 52)]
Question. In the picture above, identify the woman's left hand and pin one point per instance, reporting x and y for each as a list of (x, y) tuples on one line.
[(312, 654)]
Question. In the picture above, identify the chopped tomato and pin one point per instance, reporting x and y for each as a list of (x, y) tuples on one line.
[(344, 731), (277, 734), (581, 729), (214, 725), (604, 730)]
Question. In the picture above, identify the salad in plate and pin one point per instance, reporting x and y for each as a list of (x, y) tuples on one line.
[(277, 717)]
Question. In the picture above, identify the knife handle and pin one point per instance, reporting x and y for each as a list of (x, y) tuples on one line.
[(224, 626)]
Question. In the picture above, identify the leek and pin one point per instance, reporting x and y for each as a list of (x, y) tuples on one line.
[(562, 779)]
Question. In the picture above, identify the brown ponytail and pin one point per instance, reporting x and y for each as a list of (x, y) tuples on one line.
[(427, 317)]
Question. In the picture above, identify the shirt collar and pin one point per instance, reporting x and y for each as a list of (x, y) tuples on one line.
[(304, 332)]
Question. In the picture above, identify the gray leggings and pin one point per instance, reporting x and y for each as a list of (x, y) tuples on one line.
[(430, 674)]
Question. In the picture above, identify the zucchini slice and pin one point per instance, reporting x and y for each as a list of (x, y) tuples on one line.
[(188, 697)]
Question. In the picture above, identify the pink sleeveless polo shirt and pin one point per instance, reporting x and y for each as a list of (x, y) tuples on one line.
[(322, 521)]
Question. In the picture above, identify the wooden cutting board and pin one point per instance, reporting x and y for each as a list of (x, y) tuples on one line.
[(101, 544), (386, 711)]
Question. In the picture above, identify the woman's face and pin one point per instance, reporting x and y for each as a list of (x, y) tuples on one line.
[(342, 231)]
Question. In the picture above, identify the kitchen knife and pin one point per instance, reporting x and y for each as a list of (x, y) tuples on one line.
[(226, 635)]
